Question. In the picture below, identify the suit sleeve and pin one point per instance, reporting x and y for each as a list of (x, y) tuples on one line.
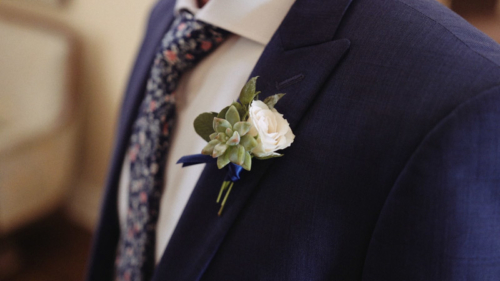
[(441, 220)]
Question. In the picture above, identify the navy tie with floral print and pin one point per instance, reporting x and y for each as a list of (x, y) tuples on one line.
[(187, 42)]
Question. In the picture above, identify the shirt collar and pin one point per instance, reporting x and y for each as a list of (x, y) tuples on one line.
[(256, 20)]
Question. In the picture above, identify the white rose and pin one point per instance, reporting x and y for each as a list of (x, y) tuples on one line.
[(273, 130)]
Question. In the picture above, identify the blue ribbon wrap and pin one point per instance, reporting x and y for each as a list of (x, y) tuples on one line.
[(233, 171)]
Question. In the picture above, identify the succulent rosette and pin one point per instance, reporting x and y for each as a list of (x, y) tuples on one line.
[(231, 142), (246, 129)]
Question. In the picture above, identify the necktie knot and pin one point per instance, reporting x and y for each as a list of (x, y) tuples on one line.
[(189, 41)]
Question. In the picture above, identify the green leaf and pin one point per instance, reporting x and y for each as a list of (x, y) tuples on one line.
[(247, 165), (269, 157), (272, 100), (223, 161), (248, 92), (237, 155), (222, 113), (234, 140), (241, 109), (209, 148), (256, 97), (219, 149), (222, 137), (203, 125), (242, 127), (248, 142), (220, 125), (232, 115)]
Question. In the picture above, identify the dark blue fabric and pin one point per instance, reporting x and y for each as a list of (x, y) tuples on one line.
[(196, 159), (233, 170), (395, 170)]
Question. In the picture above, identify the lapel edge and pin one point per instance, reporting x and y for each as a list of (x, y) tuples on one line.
[(285, 44)]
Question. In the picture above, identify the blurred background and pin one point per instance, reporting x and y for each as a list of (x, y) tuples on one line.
[(64, 65)]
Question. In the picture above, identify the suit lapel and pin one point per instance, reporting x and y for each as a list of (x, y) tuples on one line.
[(297, 61)]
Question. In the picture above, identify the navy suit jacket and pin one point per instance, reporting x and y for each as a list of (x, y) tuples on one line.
[(395, 169)]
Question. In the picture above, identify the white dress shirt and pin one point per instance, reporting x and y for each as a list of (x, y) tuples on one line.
[(213, 84)]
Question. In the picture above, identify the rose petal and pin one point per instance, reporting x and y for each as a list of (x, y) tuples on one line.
[(273, 130)]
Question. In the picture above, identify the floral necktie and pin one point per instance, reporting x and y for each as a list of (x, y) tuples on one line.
[(186, 42)]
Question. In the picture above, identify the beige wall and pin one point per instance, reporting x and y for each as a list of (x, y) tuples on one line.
[(110, 33)]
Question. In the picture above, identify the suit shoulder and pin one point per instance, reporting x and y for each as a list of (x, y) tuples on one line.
[(483, 109), (422, 39), (448, 186), (456, 27), (425, 24)]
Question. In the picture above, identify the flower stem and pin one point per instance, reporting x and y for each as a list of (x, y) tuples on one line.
[(225, 199), (223, 187)]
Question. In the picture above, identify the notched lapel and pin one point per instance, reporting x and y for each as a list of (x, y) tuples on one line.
[(200, 231), (311, 65)]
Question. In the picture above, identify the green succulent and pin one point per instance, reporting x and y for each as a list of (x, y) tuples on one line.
[(230, 142), (227, 133)]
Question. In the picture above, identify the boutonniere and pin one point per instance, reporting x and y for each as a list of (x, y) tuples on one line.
[(246, 129)]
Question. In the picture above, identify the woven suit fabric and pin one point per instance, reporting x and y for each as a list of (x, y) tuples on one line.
[(187, 42)]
